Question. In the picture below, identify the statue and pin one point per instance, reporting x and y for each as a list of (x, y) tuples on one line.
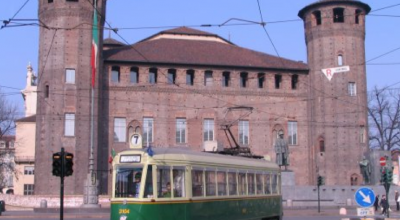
[(282, 151), (365, 169)]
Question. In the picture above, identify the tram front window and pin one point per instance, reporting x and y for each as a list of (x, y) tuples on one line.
[(128, 182)]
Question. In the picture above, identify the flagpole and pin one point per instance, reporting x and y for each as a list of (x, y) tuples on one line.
[(90, 197)]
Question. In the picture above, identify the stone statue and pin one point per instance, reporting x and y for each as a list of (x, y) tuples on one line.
[(365, 168), (281, 150)]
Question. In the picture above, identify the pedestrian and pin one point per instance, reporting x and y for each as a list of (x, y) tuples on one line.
[(396, 198), (384, 204), (376, 203)]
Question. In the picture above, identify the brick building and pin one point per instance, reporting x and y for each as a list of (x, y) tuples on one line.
[(178, 85)]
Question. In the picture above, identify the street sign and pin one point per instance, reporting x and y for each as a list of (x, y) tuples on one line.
[(382, 161), (365, 211), (329, 72), (365, 197)]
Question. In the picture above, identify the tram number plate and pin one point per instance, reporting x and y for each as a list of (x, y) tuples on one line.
[(130, 159), (124, 211)]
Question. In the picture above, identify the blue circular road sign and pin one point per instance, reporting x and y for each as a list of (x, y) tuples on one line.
[(365, 197)]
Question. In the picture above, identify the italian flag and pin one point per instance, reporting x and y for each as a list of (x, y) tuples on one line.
[(95, 44)]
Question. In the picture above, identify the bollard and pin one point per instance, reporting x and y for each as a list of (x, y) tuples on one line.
[(342, 211), (43, 203), (348, 202), (289, 203)]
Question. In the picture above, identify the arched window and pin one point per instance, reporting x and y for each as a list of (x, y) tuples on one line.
[(338, 15), (340, 60), (134, 75), (354, 180), (357, 16), (115, 74), (317, 20), (322, 145), (153, 75)]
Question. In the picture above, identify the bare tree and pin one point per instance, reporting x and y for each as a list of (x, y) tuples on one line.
[(8, 115), (384, 118)]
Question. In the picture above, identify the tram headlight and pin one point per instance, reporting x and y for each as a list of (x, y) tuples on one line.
[(124, 202)]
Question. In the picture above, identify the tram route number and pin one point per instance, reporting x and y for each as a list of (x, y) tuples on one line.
[(124, 211)]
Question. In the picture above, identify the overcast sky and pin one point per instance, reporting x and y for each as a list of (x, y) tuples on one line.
[(136, 20)]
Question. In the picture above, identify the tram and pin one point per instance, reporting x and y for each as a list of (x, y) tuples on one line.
[(180, 184)]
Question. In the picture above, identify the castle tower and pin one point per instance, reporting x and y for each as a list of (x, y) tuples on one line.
[(64, 90), (337, 111)]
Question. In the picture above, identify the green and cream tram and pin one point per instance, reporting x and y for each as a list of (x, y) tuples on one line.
[(176, 184)]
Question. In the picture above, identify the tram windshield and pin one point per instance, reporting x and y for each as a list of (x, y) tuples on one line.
[(128, 181)]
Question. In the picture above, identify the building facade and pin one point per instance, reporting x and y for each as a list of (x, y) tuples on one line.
[(185, 88)]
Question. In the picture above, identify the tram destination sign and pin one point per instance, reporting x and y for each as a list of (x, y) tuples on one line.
[(130, 159)]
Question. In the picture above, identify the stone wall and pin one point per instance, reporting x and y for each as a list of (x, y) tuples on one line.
[(52, 201)]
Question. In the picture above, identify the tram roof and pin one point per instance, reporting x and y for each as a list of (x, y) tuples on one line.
[(186, 156)]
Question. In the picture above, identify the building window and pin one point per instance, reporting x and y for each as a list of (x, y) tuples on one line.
[(295, 79), (171, 76), (153, 75), (261, 80), (180, 130), (362, 134), (190, 77), (72, 0), (208, 129), (321, 146), (244, 132), (28, 189), (11, 144), (119, 129), (292, 130), (49, 1), (317, 18), (134, 75), (148, 131), (70, 76), (208, 78), (278, 81), (47, 91), (29, 170), (69, 125), (340, 60), (2, 144), (226, 78), (352, 89), (357, 16), (338, 15), (115, 74), (243, 79)]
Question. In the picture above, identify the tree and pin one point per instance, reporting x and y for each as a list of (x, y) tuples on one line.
[(8, 115), (384, 118)]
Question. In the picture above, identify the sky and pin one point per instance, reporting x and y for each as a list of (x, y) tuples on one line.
[(234, 20)]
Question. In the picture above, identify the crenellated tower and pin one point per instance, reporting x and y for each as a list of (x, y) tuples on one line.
[(337, 111), (64, 90)]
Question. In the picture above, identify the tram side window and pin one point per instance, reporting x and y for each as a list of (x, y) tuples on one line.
[(197, 182), (210, 183), (242, 183), (221, 180), (274, 183), (259, 184), (148, 189), (250, 182), (127, 182), (267, 185), (164, 181), (232, 183), (179, 181)]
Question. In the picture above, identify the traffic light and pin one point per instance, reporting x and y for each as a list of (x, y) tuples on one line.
[(69, 163), (389, 176), (57, 164), (320, 181), (384, 177)]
